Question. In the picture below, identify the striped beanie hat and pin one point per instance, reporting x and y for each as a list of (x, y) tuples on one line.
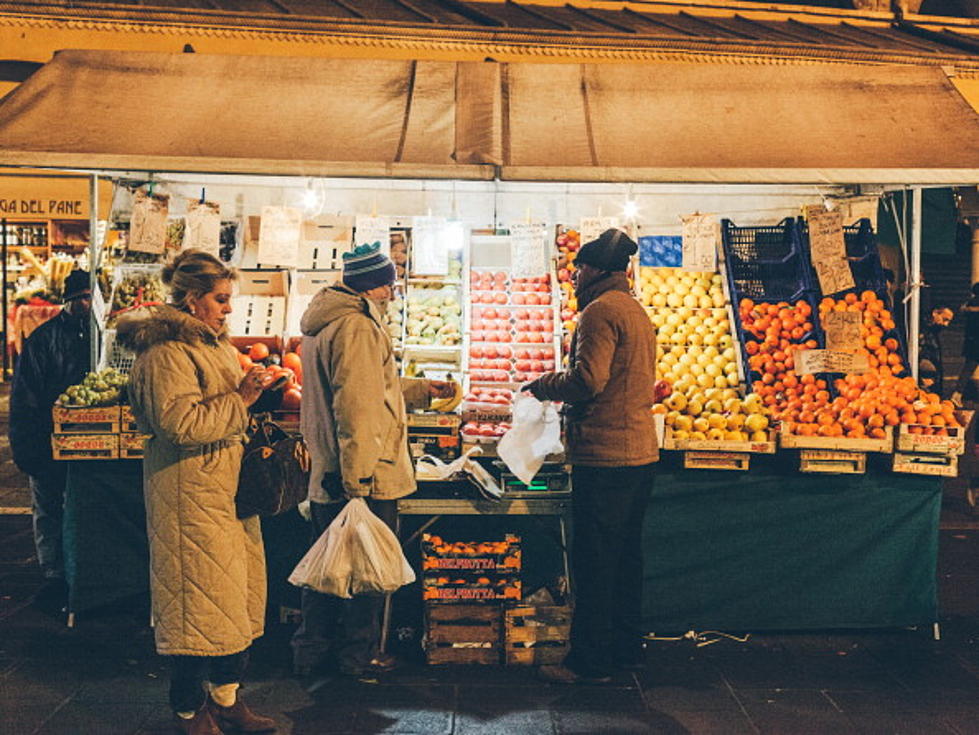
[(366, 267)]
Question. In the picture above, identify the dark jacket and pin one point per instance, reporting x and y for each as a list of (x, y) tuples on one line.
[(55, 356), (608, 389)]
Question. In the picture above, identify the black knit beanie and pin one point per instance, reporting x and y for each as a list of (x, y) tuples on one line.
[(609, 252)]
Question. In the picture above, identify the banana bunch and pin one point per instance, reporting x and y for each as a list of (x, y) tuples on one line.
[(447, 405)]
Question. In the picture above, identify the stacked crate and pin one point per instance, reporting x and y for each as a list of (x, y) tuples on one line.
[(921, 453), (464, 586), (95, 432)]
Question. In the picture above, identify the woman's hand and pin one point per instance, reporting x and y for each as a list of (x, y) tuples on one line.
[(251, 385)]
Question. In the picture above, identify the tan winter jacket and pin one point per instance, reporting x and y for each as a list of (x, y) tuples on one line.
[(609, 385), (207, 567), (353, 411)]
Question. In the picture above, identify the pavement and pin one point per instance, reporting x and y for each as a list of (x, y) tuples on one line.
[(103, 677)]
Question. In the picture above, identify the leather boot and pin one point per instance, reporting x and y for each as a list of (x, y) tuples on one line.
[(200, 724), (239, 718)]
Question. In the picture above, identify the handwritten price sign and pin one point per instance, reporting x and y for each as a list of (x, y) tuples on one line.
[(828, 249), (699, 236)]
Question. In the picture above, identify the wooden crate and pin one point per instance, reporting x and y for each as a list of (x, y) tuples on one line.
[(696, 460), (84, 446), (917, 443), (832, 461), (716, 445), (131, 445), (86, 420), (839, 443), (939, 465), (127, 419), (463, 634), (536, 635)]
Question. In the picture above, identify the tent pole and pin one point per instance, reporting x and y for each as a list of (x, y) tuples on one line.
[(915, 316), (93, 261)]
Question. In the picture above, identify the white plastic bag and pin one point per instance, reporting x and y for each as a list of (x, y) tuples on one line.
[(536, 433), (357, 553), (432, 468)]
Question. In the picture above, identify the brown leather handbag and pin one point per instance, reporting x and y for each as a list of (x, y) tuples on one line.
[(274, 471)]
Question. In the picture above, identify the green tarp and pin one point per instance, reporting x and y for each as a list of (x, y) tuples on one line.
[(771, 550)]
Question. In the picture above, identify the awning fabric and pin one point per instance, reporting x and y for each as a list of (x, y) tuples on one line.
[(240, 114), (710, 122)]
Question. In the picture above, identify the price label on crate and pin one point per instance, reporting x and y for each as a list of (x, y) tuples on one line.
[(830, 361), (529, 253), (202, 227), (843, 330), (429, 247), (278, 236), (148, 224), (699, 242), (368, 230), (592, 227), (828, 249)]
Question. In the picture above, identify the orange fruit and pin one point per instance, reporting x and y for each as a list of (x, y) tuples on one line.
[(258, 351)]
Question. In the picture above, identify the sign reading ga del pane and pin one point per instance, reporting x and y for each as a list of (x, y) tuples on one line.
[(52, 208)]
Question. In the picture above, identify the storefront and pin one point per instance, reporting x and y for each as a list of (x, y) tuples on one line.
[(500, 147)]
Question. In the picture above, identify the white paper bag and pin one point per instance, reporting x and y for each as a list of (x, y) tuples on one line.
[(536, 433)]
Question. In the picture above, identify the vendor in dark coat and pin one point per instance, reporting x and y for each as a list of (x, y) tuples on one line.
[(55, 356)]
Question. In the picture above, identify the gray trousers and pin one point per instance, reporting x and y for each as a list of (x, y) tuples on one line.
[(48, 500)]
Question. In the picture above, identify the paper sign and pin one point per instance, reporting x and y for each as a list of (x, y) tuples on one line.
[(368, 230), (278, 236), (202, 227), (148, 225), (429, 247), (857, 208), (528, 250), (700, 235), (592, 227), (829, 361), (843, 330), (828, 249)]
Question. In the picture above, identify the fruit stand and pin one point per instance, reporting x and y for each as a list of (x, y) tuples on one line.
[(490, 200)]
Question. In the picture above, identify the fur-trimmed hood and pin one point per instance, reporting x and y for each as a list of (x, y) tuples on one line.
[(142, 328)]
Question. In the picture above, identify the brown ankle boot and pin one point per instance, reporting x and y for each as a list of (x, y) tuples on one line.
[(200, 724), (239, 717)]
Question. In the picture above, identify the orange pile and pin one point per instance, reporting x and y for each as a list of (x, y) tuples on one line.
[(881, 350)]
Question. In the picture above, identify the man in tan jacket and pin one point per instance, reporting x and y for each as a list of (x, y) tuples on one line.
[(354, 421), (611, 443)]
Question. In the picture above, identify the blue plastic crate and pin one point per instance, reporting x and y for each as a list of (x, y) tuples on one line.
[(661, 251), (766, 263)]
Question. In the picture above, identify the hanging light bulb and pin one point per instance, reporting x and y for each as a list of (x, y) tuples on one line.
[(630, 210), (313, 198)]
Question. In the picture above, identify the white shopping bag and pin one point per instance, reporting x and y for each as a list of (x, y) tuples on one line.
[(536, 433), (357, 553), (432, 468)]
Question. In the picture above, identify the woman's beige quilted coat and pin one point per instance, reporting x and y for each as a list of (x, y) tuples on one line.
[(207, 567)]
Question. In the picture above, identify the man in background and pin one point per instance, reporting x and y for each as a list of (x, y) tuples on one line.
[(55, 356)]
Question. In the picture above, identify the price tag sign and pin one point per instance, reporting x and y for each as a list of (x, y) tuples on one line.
[(843, 330), (429, 246), (699, 242), (828, 249), (528, 250), (830, 361), (368, 230), (278, 236), (592, 227), (202, 227), (148, 225)]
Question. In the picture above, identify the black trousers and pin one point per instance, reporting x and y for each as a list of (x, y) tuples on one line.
[(350, 629), (608, 506), (188, 674)]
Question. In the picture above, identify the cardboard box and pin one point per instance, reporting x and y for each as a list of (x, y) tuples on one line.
[(436, 434), (259, 307)]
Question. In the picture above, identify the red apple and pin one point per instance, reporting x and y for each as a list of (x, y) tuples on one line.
[(503, 351), (475, 352)]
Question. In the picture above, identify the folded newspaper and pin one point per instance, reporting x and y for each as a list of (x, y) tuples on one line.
[(432, 468)]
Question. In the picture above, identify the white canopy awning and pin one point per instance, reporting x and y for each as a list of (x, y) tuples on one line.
[(712, 122)]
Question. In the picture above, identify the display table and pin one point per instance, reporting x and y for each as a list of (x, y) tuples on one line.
[(773, 549), (105, 544), (770, 549)]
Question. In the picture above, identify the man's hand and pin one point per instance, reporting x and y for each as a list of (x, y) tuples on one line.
[(441, 388), (533, 387)]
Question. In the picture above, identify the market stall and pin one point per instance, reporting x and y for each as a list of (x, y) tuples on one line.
[(485, 260)]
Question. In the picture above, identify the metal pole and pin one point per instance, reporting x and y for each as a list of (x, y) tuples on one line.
[(94, 257), (3, 254), (915, 316)]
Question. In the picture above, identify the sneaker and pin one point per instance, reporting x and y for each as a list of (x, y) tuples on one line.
[(564, 675)]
